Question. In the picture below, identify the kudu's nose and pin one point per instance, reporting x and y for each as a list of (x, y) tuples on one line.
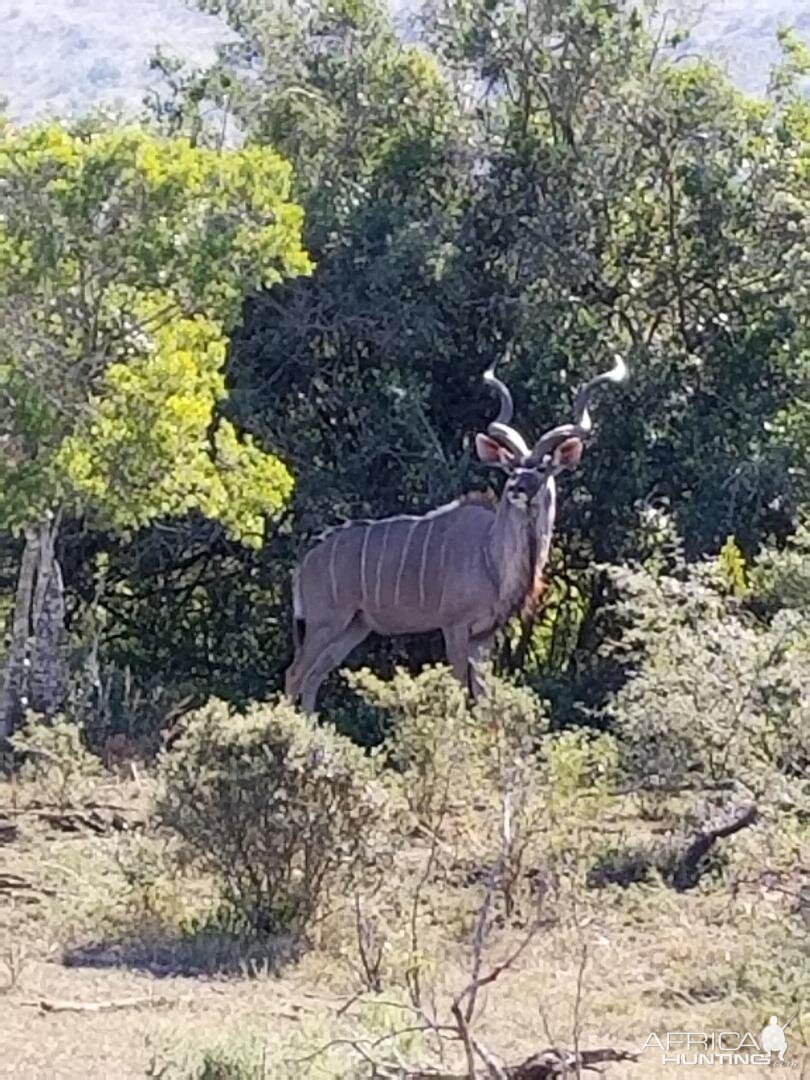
[(528, 483)]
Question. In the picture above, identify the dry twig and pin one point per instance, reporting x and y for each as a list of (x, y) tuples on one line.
[(102, 1006)]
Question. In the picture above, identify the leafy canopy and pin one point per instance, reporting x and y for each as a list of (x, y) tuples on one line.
[(124, 261)]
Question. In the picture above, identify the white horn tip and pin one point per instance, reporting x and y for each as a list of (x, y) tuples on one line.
[(619, 371)]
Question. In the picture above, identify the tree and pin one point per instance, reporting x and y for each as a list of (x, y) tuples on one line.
[(555, 179), (124, 260)]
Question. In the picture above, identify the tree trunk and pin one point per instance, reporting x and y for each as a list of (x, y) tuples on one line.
[(34, 677)]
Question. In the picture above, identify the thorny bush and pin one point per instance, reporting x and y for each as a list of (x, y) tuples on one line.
[(718, 698), (56, 760), (284, 813)]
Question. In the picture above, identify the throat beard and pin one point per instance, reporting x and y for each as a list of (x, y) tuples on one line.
[(536, 584)]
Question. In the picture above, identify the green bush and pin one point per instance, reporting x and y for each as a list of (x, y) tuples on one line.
[(238, 1062), (715, 698), (433, 736), (780, 580), (56, 761), (281, 811), (471, 770), (449, 752)]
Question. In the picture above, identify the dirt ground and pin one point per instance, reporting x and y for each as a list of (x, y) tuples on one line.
[(77, 1002)]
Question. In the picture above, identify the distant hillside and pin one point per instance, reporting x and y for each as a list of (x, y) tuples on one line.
[(62, 56), (741, 35)]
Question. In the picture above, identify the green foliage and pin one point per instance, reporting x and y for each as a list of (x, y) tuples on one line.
[(715, 699), (512, 796), (434, 740), (448, 753), (228, 1063), (731, 564), (124, 260), (578, 761), (147, 453), (576, 782), (780, 580), (149, 894), (283, 813), (364, 109), (56, 760)]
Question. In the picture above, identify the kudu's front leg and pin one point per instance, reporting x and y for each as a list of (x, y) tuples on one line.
[(458, 645), (479, 649)]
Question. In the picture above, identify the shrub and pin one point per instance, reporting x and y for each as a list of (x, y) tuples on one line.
[(244, 1061), (434, 740), (513, 728), (470, 769), (281, 811), (56, 760), (713, 701), (780, 580)]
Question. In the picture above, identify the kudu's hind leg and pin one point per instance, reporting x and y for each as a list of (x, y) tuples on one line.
[(457, 647), (328, 658), (292, 679), (317, 636)]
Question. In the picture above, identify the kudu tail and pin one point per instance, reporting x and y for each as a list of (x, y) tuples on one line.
[(298, 621)]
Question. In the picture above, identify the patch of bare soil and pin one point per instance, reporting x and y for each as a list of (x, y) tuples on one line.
[(80, 999)]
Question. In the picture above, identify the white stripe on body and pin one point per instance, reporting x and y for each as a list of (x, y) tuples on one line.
[(332, 576), (380, 558), (442, 555), (423, 567), (403, 557), (363, 552)]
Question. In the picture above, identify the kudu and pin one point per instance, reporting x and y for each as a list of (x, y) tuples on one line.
[(464, 568)]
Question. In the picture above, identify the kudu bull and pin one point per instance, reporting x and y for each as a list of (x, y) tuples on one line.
[(464, 568)]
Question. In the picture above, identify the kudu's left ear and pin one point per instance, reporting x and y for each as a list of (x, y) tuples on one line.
[(568, 454), (492, 452)]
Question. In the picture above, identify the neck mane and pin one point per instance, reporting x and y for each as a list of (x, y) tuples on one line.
[(519, 549)]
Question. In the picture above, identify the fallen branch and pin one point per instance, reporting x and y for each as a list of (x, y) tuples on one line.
[(550, 1063), (547, 1065), (685, 871), (101, 1006), (14, 884)]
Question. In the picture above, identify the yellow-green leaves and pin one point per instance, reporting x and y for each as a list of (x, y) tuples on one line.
[(121, 205), (124, 262), (150, 447), (732, 568)]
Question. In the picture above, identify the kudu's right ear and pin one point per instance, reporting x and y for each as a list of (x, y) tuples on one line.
[(492, 452)]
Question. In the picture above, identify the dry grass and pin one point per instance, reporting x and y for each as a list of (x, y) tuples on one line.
[(86, 931)]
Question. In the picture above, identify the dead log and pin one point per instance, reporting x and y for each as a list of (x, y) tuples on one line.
[(685, 870), (552, 1063), (12, 882), (14, 885), (76, 821), (100, 1006), (546, 1065)]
